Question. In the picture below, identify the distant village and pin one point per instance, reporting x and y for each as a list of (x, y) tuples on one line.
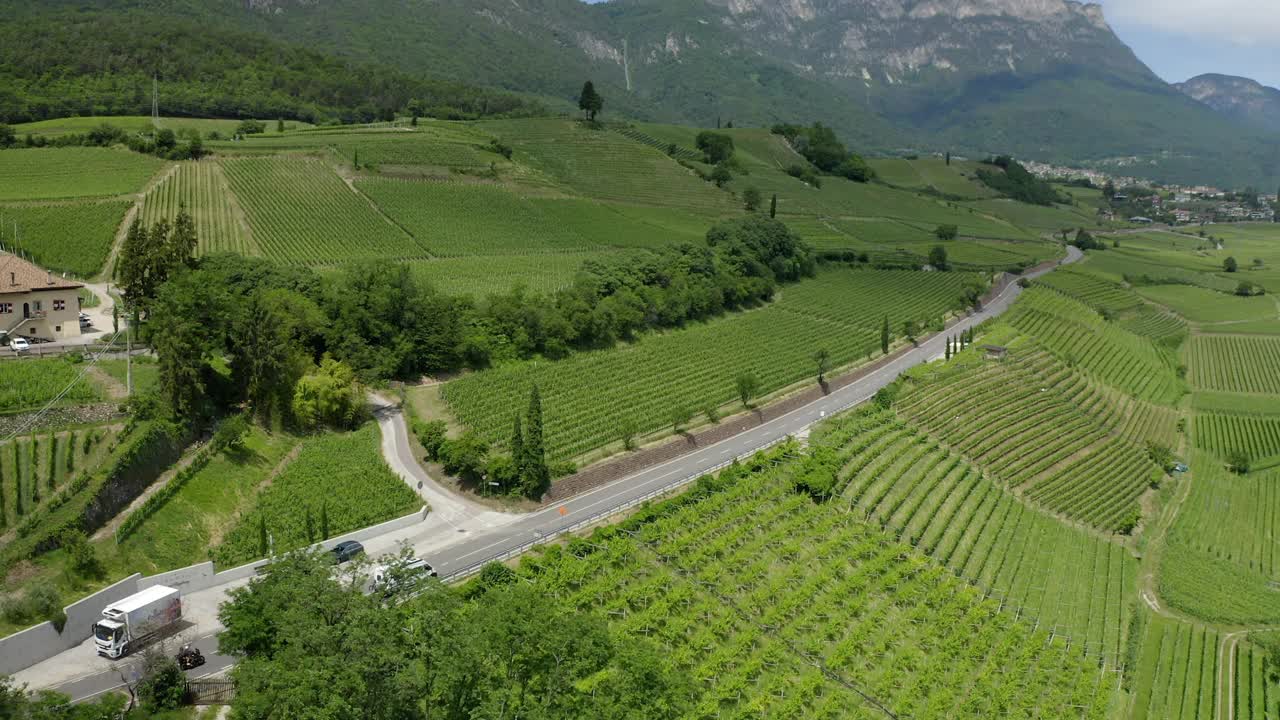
[(1141, 201)]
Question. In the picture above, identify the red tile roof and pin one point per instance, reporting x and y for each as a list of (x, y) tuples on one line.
[(19, 276)]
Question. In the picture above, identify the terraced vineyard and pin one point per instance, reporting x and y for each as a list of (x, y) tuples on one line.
[(776, 606), (1165, 328), (1072, 581), (604, 165), (999, 415), (1224, 548), (75, 172), (430, 145), (201, 188), (1091, 290), (1257, 437), (341, 477), (589, 398), (63, 237), (672, 148), (1073, 332), (300, 211), (1235, 363), (34, 467)]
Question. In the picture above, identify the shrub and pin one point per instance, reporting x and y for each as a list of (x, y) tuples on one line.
[(83, 560), (163, 686), (230, 434), (432, 435)]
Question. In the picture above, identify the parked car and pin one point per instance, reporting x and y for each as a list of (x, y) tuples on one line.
[(19, 345), (346, 550)]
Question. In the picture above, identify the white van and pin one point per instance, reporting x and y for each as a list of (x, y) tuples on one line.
[(389, 578)]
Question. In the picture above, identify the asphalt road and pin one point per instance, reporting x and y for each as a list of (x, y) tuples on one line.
[(472, 550)]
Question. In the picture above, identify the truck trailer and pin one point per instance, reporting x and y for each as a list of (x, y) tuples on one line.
[(131, 622)]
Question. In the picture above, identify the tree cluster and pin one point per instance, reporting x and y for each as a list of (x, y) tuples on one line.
[(1018, 183), (310, 645), (376, 321), (820, 146)]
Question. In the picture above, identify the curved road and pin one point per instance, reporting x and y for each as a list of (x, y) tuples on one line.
[(480, 536)]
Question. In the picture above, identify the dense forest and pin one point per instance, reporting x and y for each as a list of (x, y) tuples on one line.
[(99, 63)]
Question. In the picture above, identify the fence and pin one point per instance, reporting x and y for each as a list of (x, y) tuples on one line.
[(211, 692)]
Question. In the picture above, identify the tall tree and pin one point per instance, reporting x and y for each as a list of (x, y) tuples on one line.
[(589, 101), (748, 385), (773, 207), (751, 199), (536, 478), (822, 358), (260, 353)]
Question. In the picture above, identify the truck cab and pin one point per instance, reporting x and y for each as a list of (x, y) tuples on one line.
[(109, 636)]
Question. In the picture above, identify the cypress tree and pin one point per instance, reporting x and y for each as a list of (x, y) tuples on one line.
[(948, 356), (948, 159), (33, 472), (324, 520), (263, 543), (884, 336), (310, 525), (536, 478), (773, 206), (52, 455), (19, 507)]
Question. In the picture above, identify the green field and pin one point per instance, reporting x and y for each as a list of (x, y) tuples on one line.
[(934, 500), (776, 606), (1037, 218), (1200, 305), (1079, 469), (1165, 328), (958, 179), (57, 173), (429, 148), (1234, 363), (590, 397), (300, 211), (74, 237), (197, 517), (340, 476), (28, 384), (201, 188), (1081, 337)]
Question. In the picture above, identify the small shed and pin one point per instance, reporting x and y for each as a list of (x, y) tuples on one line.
[(996, 352)]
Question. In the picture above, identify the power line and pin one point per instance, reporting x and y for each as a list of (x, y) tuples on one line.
[(49, 405)]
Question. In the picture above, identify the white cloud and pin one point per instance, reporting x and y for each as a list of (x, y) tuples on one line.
[(1239, 22)]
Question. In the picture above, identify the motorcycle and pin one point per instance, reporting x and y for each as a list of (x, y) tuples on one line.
[(189, 657)]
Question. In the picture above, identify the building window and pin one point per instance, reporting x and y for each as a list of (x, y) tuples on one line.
[(6, 308), (57, 328), (37, 305), (59, 304)]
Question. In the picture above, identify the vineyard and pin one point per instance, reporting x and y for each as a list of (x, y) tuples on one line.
[(1224, 548), (456, 219), (1222, 433), (604, 165), (300, 211), (1082, 338), (1235, 363), (775, 606), (340, 478), (1039, 427), (34, 467), (1072, 581), (30, 383), (201, 188), (1177, 674), (434, 145), (1041, 219), (1161, 327), (590, 398), (955, 179), (1091, 290), (65, 237), (55, 173)]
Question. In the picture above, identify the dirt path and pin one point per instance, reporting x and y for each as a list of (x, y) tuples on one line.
[(129, 217), (115, 389)]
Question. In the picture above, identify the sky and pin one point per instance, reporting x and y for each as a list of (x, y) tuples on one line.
[(1180, 39)]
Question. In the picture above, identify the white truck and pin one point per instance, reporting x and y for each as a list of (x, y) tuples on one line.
[(136, 619)]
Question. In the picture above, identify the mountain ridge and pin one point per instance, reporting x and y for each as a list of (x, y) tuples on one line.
[(1243, 99)]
